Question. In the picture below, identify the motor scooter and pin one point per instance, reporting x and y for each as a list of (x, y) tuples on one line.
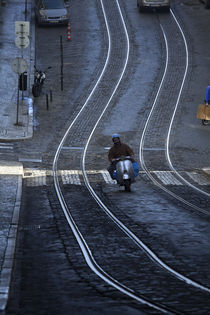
[(39, 78), (125, 172)]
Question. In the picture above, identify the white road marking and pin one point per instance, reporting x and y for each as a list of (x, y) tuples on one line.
[(34, 177), (199, 178), (167, 178), (30, 160), (72, 148), (37, 177), (107, 177), (70, 177)]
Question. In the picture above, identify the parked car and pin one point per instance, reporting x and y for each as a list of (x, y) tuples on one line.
[(144, 5), (51, 12)]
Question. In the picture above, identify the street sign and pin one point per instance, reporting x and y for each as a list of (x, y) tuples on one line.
[(22, 28), (19, 65), (22, 31), (22, 41)]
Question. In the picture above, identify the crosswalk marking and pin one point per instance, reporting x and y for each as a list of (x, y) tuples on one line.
[(37, 177), (6, 146), (199, 178), (70, 177), (34, 177), (167, 178), (107, 177)]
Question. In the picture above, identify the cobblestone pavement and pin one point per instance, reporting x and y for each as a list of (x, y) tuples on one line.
[(41, 218)]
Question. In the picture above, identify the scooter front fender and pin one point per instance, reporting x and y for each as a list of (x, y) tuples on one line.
[(124, 171)]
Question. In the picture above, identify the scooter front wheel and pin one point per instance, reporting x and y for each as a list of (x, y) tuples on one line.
[(127, 184)]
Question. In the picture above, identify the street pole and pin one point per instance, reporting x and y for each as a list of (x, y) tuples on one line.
[(26, 5), (17, 122), (61, 53), (22, 57)]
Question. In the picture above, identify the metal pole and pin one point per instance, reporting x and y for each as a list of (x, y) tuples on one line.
[(61, 50), (22, 78), (47, 102), (26, 5), (51, 95), (17, 123), (22, 55)]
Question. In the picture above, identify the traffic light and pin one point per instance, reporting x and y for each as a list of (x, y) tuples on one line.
[(23, 81)]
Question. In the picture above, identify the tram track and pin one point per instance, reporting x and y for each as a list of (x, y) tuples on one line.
[(81, 240), (166, 142)]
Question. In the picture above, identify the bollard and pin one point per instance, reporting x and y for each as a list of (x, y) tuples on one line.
[(47, 103), (69, 31)]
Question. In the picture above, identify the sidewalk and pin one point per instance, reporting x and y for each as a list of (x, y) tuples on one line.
[(9, 13), (14, 125), (10, 200)]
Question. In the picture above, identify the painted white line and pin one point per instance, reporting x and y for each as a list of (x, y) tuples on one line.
[(70, 177), (199, 178), (167, 178), (35, 177), (154, 149), (72, 148), (107, 177), (6, 147), (30, 160)]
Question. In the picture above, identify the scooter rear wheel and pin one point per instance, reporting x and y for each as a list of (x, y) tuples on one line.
[(205, 122), (127, 184), (36, 90)]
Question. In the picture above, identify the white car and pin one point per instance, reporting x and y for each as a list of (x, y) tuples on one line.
[(51, 12), (143, 5)]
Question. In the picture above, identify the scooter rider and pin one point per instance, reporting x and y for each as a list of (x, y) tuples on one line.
[(117, 150)]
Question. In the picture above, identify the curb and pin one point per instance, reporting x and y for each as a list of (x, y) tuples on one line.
[(21, 133), (7, 267)]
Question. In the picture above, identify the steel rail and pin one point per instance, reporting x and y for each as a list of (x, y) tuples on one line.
[(130, 234), (174, 113), (141, 148), (79, 237)]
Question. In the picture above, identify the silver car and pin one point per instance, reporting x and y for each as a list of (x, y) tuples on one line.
[(143, 5), (51, 12)]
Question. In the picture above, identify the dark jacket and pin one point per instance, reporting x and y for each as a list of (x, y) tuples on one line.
[(119, 150)]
